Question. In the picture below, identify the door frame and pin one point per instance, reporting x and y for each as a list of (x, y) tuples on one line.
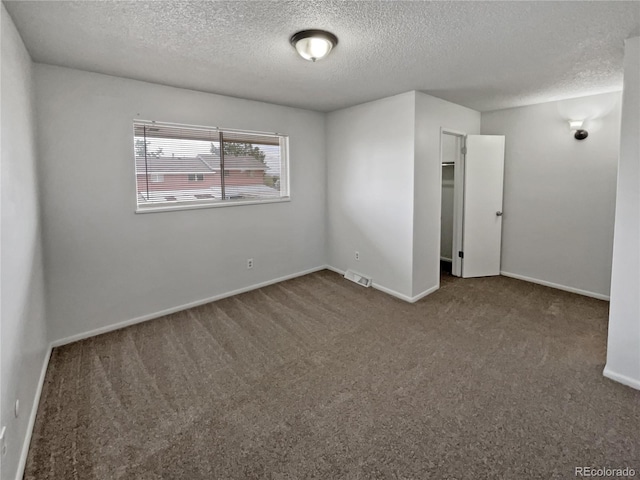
[(458, 201)]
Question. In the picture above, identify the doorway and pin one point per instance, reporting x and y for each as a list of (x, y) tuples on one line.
[(472, 177)]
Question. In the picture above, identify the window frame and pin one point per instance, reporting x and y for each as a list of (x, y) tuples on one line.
[(285, 188)]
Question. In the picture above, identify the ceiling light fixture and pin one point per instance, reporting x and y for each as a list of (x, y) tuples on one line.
[(314, 45), (576, 126)]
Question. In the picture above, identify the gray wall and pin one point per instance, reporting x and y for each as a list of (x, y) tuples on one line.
[(23, 330), (623, 350), (383, 163), (432, 114), (104, 263), (370, 190), (559, 193)]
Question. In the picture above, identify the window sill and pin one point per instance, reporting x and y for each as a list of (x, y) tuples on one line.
[(170, 207)]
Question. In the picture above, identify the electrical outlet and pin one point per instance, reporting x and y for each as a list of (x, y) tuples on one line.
[(249, 263), (357, 255)]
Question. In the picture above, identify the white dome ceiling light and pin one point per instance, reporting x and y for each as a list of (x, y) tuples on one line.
[(314, 45)]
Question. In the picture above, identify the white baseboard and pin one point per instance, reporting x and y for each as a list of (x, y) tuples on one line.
[(168, 311), (428, 291), (334, 269), (389, 291), (617, 377), (393, 293), (22, 463), (586, 293)]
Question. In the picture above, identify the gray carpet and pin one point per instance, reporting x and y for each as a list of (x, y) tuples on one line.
[(320, 378)]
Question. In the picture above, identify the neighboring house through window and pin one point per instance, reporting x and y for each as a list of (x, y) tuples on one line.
[(180, 166)]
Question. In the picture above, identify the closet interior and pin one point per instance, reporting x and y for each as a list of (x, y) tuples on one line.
[(446, 219)]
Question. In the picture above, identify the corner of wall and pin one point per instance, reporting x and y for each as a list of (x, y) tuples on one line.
[(325, 122), (24, 349), (372, 213), (430, 116), (623, 346)]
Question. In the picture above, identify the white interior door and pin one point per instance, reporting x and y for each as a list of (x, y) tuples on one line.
[(482, 224)]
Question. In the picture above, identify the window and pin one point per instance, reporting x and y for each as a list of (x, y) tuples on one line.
[(180, 166)]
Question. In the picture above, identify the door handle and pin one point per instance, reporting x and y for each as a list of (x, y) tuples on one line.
[(498, 214)]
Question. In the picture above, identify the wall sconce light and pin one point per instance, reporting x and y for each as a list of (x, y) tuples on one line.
[(576, 126), (314, 45)]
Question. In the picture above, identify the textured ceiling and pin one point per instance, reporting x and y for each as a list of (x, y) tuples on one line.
[(484, 55)]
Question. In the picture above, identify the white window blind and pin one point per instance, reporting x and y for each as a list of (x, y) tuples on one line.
[(181, 166)]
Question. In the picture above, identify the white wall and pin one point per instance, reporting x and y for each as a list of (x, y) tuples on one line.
[(104, 263), (623, 350), (384, 188), (432, 114), (370, 152), (22, 326), (559, 193)]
